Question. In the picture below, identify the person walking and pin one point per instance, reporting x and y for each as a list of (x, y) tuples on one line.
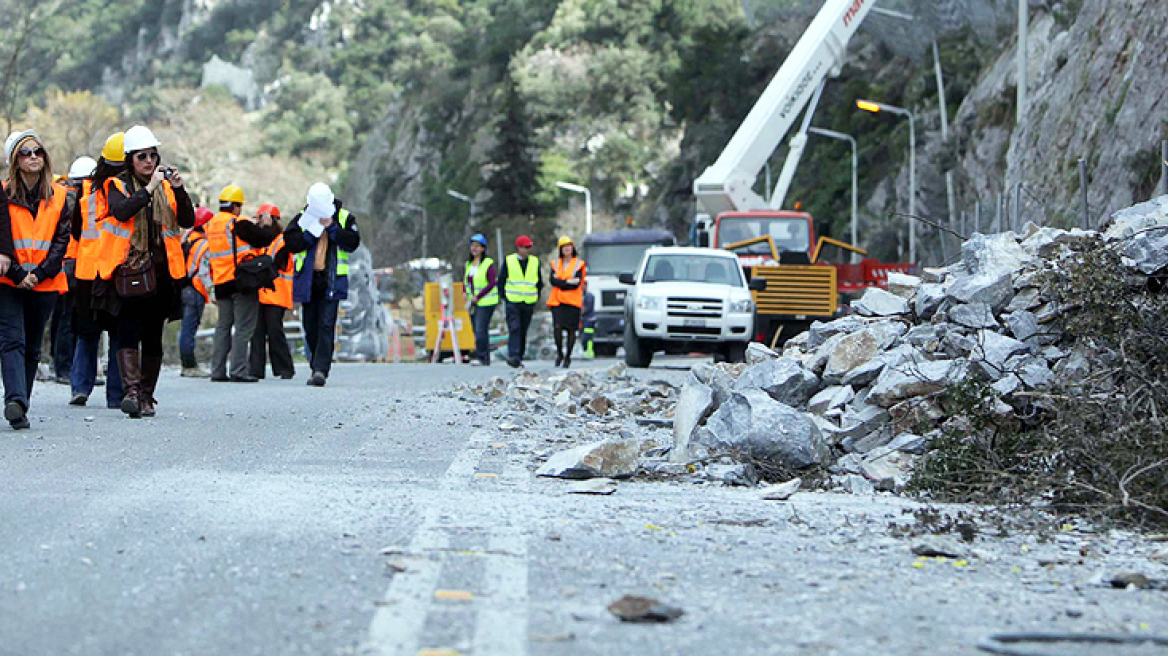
[(61, 336), (588, 322), (234, 239), (321, 237), (34, 235), (566, 299), (196, 294), (269, 340), (480, 281), (87, 222), (522, 284), (147, 204)]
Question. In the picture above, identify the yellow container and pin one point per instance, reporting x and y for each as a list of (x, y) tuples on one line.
[(462, 324)]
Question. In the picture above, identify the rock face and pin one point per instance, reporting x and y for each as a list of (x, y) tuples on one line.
[(607, 459), (753, 424)]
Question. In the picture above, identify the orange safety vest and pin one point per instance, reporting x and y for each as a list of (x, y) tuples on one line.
[(93, 211), (33, 238), (281, 296), (199, 247), (117, 239), (567, 271), (221, 234)]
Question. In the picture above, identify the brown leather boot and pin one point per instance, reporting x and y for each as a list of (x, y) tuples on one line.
[(151, 368), (131, 382)]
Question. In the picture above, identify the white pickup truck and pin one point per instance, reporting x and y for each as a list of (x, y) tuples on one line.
[(685, 300)]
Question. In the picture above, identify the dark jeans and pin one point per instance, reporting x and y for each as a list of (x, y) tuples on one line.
[(140, 324), (193, 304), (269, 337), (320, 328), (481, 320), (61, 335), (518, 321), (23, 315), (237, 323), (84, 372)]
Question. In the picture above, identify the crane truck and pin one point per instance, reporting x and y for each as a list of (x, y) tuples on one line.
[(778, 245)]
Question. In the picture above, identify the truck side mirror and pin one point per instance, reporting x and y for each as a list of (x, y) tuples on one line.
[(758, 284), (628, 279)]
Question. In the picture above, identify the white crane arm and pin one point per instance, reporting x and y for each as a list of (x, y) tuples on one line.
[(728, 185)]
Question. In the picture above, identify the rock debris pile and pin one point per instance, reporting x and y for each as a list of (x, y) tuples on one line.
[(863, 395)]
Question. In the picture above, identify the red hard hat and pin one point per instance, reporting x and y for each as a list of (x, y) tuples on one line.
[(524, 240), (202, 216), (270, 209)]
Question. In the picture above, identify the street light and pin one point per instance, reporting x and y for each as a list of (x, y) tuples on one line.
[(831, 134), (469, 201), (876, 108), (587, 202), (425, 224)]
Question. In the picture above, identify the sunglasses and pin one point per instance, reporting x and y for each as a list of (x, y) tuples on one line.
[(142, 157), (29, 152)]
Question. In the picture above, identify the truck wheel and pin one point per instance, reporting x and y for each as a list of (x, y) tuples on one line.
[(638, 352), (736, 352)]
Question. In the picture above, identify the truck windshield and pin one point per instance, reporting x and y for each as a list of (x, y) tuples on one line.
[(691, 268), (613, 259), (789, 234)]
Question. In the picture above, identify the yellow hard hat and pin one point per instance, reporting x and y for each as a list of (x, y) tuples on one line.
[(563, 241), (232, 194), (112, 151)]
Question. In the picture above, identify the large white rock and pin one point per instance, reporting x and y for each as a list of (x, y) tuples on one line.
[(877, 302), (973, 315), (607, 459), (1129, 221), (903, 285), (911, 379), (994, 289), (785, 380), (1147, 251), (752, 424), (994, 255), (694, 405), (831, 398)]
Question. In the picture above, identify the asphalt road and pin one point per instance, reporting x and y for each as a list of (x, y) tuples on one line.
[(379, 515)]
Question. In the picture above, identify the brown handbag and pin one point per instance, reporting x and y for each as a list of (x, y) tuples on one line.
[(135, 277)]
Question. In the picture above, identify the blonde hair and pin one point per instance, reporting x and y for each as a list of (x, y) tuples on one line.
[(16, 188)]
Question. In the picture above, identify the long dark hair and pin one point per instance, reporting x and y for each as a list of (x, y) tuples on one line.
[(106, 170)]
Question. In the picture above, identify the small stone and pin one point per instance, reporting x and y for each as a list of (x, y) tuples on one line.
[(973, 315), (877, 302), (757, 353), (643, 609), (607, 459), (782, 491), (600, 486)]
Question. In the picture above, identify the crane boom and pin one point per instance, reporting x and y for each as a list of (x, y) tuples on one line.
[(727, 185)]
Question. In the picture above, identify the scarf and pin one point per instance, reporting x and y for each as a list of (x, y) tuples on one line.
[(159, 208)]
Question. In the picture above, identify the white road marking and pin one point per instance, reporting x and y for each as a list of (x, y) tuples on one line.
[(501, 625)]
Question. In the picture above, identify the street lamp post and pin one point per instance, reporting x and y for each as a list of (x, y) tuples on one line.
[(831, 134), (425, 224), (469, 201), (876, 108), (587, 202)]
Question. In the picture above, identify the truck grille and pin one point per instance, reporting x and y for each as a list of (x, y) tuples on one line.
[(797, 290), (613, 297), (701, 308), (696, 332)]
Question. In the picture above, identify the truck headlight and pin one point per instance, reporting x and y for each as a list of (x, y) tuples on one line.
[(648, 302), (742, 306)]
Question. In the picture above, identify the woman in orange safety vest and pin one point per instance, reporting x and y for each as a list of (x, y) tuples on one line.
[(147, 205), (567, 296), (269, 335), (34, 235)]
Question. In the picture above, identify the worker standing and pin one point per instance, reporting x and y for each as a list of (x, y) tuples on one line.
[(34, 235), (269, 341), (147, 206), (321, 236), (521, 283), (197, 293), (566, 299), (480, 281), (234, 239), (88, 323), (588, 322)]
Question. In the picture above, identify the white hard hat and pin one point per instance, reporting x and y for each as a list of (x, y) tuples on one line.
[(14, 139), (82, 167), (320, 200), (140, 137)]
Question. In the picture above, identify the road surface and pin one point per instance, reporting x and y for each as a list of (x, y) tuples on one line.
[(381, 515)]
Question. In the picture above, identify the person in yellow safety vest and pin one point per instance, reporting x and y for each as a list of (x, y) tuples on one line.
[(567, 297), (89, 217), (197, 294), (269, 340), (321, 236), (34, 235), (480, 281), (234, 239), (148, 206), (61, 325), (522, 284)]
